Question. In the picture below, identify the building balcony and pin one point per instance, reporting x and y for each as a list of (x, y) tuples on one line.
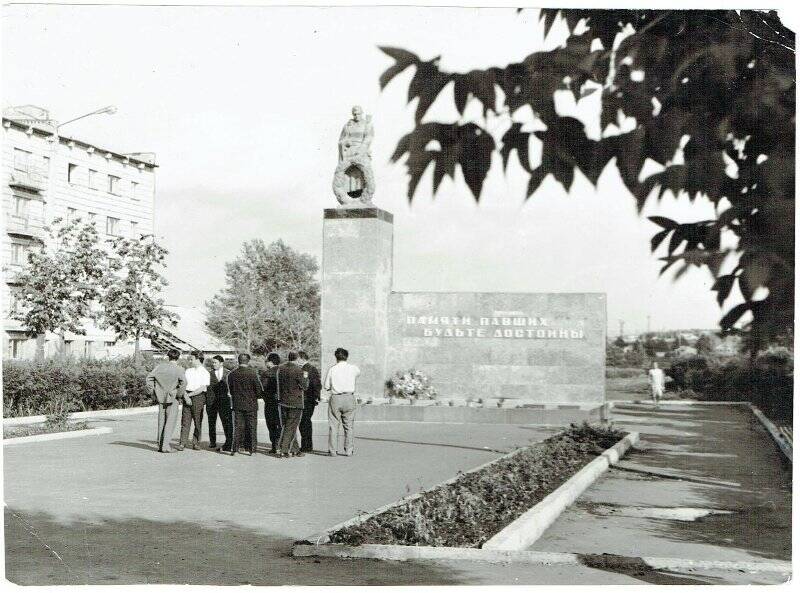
[(32, 179), (25, 226)]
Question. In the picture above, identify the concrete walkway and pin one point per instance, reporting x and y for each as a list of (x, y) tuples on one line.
[(110, 510), (704, 483)]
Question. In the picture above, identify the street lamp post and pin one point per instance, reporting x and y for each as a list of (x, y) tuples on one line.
[(109, 109)]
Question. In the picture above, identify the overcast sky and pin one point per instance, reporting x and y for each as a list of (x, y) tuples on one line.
[(243, 108)]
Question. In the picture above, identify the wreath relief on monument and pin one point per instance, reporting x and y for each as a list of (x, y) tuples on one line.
[(353, 181)]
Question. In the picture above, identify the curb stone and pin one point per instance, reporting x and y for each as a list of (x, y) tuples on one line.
[(404, 553), (529, 527), (554, 504), (17, 421), (56, 436)]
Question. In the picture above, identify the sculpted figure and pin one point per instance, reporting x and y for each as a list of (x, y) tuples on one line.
[(353, 181)]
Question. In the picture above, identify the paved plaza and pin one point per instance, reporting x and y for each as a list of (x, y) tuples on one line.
[(109, 509)]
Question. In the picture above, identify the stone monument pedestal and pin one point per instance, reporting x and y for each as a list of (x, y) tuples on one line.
[(357, 272)]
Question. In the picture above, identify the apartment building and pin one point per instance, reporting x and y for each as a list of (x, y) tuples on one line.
[(46, 175)]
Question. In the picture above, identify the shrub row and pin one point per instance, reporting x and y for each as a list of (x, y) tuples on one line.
[(767, 381), (30, 388)]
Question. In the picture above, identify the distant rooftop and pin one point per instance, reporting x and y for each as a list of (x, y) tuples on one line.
[(38, 118), (190, 333)]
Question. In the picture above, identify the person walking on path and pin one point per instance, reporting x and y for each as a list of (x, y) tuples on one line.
[(340, 381), (310, 401), (167, 382), (292, 384), (657, 381), (272, 413), (218, 403), (197, 382), (245, 389)]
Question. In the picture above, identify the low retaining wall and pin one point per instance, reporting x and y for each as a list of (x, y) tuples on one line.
[(529, 527), (382, 552), (57, 436), (81, 415), (517, 535), (542, 414)]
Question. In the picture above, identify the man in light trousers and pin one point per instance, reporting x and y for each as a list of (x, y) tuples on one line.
[(167, 382), (340, 382)]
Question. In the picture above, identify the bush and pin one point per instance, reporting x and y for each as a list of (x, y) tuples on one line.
[(32, 388), (624, 373), (767, 381)]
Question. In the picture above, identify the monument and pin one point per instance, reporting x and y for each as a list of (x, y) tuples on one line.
[(547, 348), (353, 181)]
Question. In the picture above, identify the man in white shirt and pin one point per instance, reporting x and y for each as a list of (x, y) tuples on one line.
[(197, 381), (340, 381), (657, 381)]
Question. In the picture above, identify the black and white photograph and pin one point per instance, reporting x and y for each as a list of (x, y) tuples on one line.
[(333, 294)]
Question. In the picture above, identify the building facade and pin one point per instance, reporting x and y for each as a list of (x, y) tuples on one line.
[(45, 176)]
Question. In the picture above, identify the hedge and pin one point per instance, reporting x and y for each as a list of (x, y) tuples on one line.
[(767, 381), (29, 386)]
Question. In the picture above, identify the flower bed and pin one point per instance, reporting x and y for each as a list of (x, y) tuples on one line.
[(27, 430), (470, 510)]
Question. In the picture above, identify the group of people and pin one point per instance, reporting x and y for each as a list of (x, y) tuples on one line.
[(291, 391)]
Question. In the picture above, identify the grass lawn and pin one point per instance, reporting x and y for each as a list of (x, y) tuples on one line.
[(28, 430)]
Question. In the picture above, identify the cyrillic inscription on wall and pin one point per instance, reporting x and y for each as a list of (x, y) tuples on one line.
[(513, 325)]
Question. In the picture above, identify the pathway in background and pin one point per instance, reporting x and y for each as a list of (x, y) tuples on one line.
[(704, 483)]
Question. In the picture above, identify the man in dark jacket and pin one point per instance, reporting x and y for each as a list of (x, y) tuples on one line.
[(245, 389), (269, 379), (292, 385), (310, 401), (218, 403)]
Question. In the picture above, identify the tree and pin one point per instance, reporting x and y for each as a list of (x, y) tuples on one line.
[(704, 344), (707, 96), (130, 302), (270, 300), (60, 282)]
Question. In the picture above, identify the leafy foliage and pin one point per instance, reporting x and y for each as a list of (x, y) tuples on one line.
[(767, 381), (475, 506), (712, 98), (62, 385), (131, 305), (270, 300), (61, 281)]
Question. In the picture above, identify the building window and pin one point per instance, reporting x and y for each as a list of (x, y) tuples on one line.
[(22, 159), (112, 226), (94, 179), (68, 350), (113, 184), (72, 213), (15, 346), (19, 253), (21, 206), (92, 217), (135, 190), (72, 171), (134, 229), (110, 344), (88, 348)]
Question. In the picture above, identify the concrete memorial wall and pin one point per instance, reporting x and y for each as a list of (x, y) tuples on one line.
[(542, 347)]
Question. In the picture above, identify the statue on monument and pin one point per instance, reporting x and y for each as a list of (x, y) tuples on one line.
[(353, 181)]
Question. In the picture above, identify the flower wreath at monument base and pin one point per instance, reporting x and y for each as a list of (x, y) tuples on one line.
[(341, 180)]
